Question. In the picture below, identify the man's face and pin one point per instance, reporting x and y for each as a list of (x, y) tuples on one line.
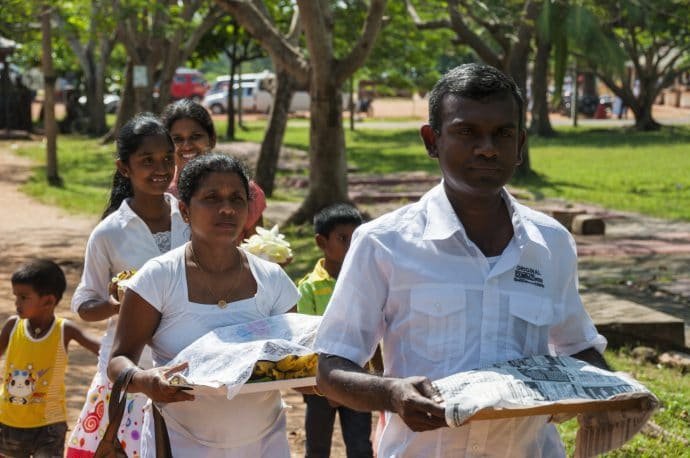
[(479, 145)]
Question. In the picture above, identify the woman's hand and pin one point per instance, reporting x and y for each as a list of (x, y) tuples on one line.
[(154, 384)]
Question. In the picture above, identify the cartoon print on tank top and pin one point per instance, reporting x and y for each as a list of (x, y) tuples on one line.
[(21, 385)]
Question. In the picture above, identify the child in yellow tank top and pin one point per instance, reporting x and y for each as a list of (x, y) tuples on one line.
[(32, 394)]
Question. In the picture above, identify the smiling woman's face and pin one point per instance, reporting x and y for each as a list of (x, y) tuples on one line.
[(218, 208), (191, 140)]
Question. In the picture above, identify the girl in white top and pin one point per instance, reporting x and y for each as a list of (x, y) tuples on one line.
[(182, 295), (140, 222)]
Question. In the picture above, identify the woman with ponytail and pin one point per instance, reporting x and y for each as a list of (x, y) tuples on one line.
[(140, 222)]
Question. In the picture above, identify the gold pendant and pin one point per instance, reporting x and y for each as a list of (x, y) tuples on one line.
[(222, 304)]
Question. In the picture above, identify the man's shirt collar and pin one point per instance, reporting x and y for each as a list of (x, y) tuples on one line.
[(442, 222)]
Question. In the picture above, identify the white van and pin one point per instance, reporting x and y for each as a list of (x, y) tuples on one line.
[(256, 94), (253, 99)]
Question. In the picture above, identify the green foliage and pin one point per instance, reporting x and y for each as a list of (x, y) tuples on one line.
[(575, 28)]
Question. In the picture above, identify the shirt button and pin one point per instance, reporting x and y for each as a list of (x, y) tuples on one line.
[(475, 447)]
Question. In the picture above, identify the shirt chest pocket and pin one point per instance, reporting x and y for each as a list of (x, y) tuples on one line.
[(530, 320), (437, 328)]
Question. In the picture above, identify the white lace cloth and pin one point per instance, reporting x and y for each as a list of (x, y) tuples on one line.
[(162, 241)]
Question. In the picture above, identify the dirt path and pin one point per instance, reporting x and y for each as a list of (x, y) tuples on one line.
[(30, 229)]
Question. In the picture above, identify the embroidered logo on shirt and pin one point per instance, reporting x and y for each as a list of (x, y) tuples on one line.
[(528, 275)]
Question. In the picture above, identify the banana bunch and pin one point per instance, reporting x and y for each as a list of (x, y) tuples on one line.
[(120, 281), (292, 366)]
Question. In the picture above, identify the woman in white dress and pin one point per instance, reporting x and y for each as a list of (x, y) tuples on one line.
[(140, 222), (180, 296)]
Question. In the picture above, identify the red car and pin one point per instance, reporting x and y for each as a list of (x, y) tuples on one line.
[(188, 83)]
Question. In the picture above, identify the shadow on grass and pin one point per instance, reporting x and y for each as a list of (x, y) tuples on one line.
[(397, 151), (612, 137), (538, 183)]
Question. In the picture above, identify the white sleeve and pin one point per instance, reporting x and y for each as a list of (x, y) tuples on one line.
[(96, 275), (354, 320), (150, 283), (276, 293), (576, 331), (285, 293)]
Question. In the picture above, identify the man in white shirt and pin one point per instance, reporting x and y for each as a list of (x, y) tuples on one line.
[(463, 278)]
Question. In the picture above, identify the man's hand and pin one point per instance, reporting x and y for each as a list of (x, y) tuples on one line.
[(415, 400)]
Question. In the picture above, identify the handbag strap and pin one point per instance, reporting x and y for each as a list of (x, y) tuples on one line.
[(118, 397)]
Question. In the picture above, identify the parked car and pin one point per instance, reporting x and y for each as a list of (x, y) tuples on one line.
[(111, 102), (188, 83), (253, 99)]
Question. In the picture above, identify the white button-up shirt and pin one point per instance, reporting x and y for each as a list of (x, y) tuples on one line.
[(414, 280), (121, 241)]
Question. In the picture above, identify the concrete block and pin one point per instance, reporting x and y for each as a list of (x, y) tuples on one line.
[(624, 322), (565, 216), (584, 224)]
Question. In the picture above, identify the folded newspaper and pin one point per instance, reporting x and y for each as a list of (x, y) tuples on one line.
[(611, 407), (223, 360)]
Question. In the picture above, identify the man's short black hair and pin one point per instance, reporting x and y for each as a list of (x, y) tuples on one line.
[(475, 82), (43, 275), (333, 215)]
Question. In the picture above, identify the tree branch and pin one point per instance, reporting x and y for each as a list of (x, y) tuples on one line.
[(359, 53), (425, 25), (261, 27), (470, 38), (318, 28)]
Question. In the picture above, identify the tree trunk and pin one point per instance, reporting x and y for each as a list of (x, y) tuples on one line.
[(517, 69), (95, 105), (589, 84), (49, 123), (328, 165), (541, 124), (230, 129), (267, 164), (127, 108), (643, 116)]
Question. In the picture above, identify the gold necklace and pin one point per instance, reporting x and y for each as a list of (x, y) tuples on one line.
[(221, 302)]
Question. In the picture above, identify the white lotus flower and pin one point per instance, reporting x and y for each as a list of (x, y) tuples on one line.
[(268, 244)]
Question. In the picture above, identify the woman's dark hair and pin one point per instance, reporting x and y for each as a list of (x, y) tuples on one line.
[(129, 139), (186, 108), (200, 167)]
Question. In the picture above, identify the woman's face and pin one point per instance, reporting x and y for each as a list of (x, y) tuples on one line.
[(218, 208), (150, 167), (191, 140)]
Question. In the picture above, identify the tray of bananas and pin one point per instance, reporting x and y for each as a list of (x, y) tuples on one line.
[(290, 372)]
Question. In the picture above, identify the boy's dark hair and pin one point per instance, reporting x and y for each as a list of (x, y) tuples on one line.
[(333, 215), (475, 82), (43, 275)]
